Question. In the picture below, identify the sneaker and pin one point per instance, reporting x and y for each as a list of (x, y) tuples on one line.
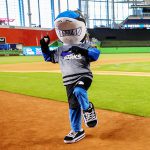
[(90, 117), (73, 137)]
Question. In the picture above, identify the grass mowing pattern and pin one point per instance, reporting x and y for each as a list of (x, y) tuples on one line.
[(20, 59), (129, 67), (30, 59), (117, 50), (122, 93), (42, 85), (126, 56), (119, 93)]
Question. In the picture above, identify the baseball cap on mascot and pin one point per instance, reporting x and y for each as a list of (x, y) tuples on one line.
[(70, 27)]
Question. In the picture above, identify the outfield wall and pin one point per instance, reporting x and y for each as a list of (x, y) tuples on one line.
[(25, 36)]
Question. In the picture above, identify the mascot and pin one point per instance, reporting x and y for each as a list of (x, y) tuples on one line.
[(74, 58)]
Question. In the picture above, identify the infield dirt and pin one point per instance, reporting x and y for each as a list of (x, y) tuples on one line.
[(29, 123)]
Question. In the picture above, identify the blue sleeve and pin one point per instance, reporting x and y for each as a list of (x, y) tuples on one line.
[(47, 56), (93, 53), (51, 56)]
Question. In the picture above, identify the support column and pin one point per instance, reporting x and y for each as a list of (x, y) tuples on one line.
[(107, 13), (113, 14), (7, 11), (79, 4), (29, 13), (21, 12), (39, 13), (58, 6), (86, 13), (52, 13), (67, 4)]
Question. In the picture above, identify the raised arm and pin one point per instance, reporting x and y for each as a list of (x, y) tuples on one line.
[(47, 54)]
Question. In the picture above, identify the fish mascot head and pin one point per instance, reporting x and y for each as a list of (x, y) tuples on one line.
[(70, 27)]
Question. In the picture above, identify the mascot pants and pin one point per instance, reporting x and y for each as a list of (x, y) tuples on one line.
[(78, 101)]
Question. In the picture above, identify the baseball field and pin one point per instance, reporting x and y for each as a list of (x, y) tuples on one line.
[(34, 109)]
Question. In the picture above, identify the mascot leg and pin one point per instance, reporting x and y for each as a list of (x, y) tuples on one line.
[(77, 133), (89, 114), (75, 119), (81, 95)]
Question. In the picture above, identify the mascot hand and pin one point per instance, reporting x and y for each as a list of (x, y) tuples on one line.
[(79, 50), (44, 43)]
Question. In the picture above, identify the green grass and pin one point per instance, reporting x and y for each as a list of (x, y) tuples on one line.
[(129, 67), (35, 84), (126, 56), (20, 59), (119, 50), (119, 93), (127, 44), (28, 59)]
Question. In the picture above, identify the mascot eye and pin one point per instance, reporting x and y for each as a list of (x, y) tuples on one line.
[(59, 21), (68, 21)]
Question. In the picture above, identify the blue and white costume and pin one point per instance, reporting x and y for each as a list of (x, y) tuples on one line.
[(74, 58)]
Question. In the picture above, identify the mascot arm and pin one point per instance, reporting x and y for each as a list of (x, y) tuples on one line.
[(79, 50), (47, 54), (93, 53)]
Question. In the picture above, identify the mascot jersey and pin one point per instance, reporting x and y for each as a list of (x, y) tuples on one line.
[(70, 29), (73, 66)]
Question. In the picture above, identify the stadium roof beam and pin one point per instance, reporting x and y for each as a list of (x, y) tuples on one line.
[(124, 1), (135, 2), (96, 0), (140, 6)]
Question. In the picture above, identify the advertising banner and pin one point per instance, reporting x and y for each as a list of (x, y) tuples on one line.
[(32, 50), (4, 46), (36, 50)]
